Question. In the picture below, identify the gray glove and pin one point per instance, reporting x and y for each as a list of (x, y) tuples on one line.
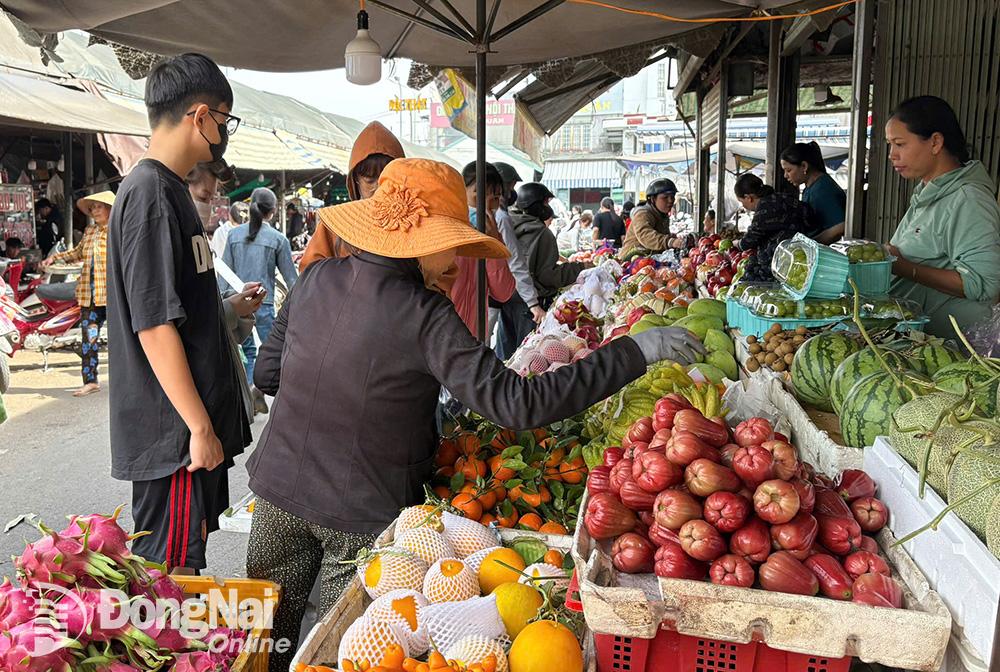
[(674, 343)]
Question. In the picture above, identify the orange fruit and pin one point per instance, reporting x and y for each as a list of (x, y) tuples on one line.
[(503, 439), (488, 499), (540, 434), (447, 453), (532, 521), (573, 472), (532, 499), (543, 646), (515, 493), (468, 505), (487, 518), (444, 473), (470, 467), (545, 494), (468, 444), (499, 491), (508, 521), (492, 573), (500, 472), (442, 491), (553, 557), (552, 527), (555, 457)]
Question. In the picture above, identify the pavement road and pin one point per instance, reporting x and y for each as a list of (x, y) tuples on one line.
[(55, 459)]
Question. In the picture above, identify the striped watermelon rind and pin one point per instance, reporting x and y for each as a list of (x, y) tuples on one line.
[(928, 358), (814, 364), (985, 382), (868, 408), (856, 367), (970, 471)]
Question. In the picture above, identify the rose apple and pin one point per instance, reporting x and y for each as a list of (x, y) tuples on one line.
[(653, 472), (672, 562), (854, 483), (612, 456), (864, 562), (807, 494), (840, 535), (727, 452), (713, 432), (752, 541), (659, 441), (703, 477), (666, 408), (632, 554), (660, 535), (870, 513), (620, 473), (684, 447), (878, 590), (753, 432), (701, 541), (635, 498), (786, 460), (641, 430), (599, 480), (754, 465), (727, 511), (868, 544), (776, 501), (782, 573), (796, 536), (829, 503), (673, 508), (731, 570), (606, 517), (834, 582), (637, 448)]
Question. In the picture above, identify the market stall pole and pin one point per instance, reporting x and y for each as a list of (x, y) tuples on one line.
[(68, 204)]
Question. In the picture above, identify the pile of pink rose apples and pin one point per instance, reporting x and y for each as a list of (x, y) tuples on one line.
[(685, 497), (65, 611)]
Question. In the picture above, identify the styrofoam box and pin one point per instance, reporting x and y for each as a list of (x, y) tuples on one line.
[(956, 563)]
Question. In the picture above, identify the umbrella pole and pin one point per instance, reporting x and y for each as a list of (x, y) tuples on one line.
[(482, 47)]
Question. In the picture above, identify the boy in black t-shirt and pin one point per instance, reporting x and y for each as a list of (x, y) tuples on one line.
[(176, 414)]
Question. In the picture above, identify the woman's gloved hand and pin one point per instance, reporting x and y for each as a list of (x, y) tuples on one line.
[(673, 343)]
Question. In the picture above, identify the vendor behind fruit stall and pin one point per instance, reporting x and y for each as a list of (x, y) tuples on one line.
[(803, 164), (650, 227), (361, 348), (776, 217), (947, 246)]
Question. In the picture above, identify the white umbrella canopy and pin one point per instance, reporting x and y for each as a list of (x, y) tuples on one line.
[(281, 36)]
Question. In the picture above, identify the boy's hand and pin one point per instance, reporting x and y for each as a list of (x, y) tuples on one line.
[(206, 451), (249, 300)]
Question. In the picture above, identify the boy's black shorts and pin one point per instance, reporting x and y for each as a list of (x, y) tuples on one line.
[(179, 511)]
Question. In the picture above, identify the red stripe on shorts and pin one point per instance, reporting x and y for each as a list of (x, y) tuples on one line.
[(187, 518), (170, 518)]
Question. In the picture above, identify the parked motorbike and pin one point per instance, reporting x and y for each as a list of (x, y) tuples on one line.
[(47, 316)]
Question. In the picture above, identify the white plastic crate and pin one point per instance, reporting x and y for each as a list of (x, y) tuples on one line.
[(955, 561)]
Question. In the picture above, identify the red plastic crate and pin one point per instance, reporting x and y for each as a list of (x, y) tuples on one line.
[(670, 651), (673, 652)]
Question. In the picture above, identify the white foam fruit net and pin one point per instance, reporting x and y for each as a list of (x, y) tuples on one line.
[(467, 536), (473, 648), (367, 639), (392, 568), (403, 608), (450, 580), (425, 543), (475, 561), (422, 515), (450, 622), (544, 570)]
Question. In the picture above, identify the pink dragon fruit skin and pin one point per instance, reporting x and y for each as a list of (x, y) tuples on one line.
[(36, 648), (16, 606), (199, 661), (63, 561), (165, 587), (225, 644), (118, 667), (103, 534)]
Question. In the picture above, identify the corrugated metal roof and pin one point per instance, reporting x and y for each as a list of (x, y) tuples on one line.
[(583, 174)]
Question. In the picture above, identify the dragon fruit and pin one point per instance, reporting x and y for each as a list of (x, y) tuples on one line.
[(36, 647), (103, 534), (164, 587), (116, 666), (62, 561), (225, 644), (198, 661), (16, 605)]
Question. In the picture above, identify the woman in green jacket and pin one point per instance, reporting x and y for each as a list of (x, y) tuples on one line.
[(948, 244)]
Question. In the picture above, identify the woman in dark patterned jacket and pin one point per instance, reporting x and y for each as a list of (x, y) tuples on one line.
[(777, 217)]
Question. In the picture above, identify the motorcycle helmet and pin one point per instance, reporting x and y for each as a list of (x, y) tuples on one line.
[(530, 193), (660, 186), (507, 172)]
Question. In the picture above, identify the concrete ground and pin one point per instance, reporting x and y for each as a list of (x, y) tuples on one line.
[(55, 459)]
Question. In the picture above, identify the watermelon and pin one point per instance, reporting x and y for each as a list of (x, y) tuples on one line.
[(814, 364), (929, 359), (868, 408), (856, 367), (971, 470), (952, 378)]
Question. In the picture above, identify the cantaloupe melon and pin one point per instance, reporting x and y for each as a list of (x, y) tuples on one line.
[(971, 471)]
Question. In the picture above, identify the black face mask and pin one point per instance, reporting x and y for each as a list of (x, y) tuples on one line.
[(218, 149)]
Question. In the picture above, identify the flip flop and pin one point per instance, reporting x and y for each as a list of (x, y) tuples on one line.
[(84, 392)]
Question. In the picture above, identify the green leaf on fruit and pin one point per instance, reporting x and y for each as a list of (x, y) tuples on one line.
[(515, 464), (513, 483), (457, 481), (511, 451)]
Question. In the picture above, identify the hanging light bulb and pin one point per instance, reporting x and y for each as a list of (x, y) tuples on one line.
[(363, 56), (32, 165)]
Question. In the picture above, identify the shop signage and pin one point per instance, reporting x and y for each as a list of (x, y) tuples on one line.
[(407, 104), (17, 213)]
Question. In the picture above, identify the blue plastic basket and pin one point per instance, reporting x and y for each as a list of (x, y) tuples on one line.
[(872, 278), (827, 274), (758, 326)]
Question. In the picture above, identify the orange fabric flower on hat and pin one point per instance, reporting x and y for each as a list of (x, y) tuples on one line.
[(397, 206)]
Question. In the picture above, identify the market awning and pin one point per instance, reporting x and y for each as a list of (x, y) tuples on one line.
[(676, 158), (277, 35), (583, 174), (37, 103)]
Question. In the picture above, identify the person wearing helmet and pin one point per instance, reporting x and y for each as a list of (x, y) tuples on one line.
[(650, 227), (519, 315), (539, 243)]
